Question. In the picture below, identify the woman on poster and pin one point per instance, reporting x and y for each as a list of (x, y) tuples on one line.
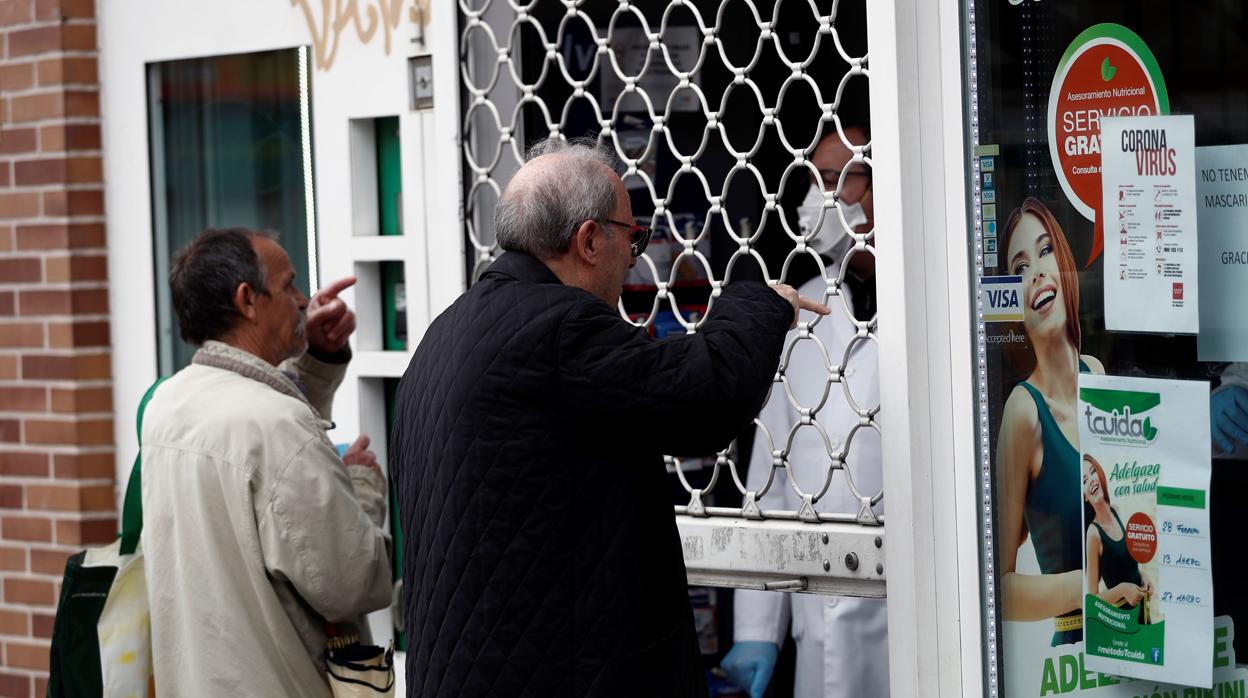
[(1126, 585), (1037, 450)]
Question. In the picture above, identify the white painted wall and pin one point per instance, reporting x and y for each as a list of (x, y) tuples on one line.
[(363, 82)]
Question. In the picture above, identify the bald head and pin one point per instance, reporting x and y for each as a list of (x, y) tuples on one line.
[(562, 185)]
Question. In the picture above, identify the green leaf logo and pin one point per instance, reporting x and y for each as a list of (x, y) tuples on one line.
[(1107, 70), (1150, 431)]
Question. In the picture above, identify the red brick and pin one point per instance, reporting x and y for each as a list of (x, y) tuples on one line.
[(82, 103), (14, 622), (78, 432), (10, 431), (14, 12), (86, 532), (57, 302), (23, 399), (87, 301), (75, 268), (74, 170), (73, 202), (69, 497), (85, 235), (41, 625), (16, 76), (8, 365), (44, 171), (41, 686), (14, 141), (48, 561), (78, 334), (28, 656), (8, 303), (24, 204), (28, 528), (28, 42), (85, 466), (79, 367), (85, 202), (6, 231), (16, 686), (21, 334), (70, 70), (78, 37), (6, 169), (52, 236), (81, 400), (10, 496), (65, 9), (16, 270), (85, 170), (34, 107), (59, 137), (23, 464), (12, 559), (52, 138)]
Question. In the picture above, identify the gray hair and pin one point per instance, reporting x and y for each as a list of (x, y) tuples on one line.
[(537, 214)]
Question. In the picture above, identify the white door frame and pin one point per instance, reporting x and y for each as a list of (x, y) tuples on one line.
[(926, 343)]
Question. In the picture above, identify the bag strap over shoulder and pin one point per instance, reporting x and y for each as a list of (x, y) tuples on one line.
[(132, 508)]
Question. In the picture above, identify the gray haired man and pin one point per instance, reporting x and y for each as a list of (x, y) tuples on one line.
[(542, 555)]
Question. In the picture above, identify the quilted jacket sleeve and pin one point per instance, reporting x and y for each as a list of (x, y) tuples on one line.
[(317, 534), (691, 393)]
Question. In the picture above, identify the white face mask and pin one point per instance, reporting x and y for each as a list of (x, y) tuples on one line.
[(832, 241)]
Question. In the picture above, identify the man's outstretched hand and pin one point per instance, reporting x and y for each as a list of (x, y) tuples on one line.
[(330, 322), (799, 302)]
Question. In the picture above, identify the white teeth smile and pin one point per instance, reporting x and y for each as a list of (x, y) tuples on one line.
[(1044, 297)]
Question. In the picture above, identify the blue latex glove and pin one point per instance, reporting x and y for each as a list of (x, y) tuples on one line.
[(1228, 418), (751, 664)]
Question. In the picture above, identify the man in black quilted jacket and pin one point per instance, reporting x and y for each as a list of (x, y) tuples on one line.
[(542, 557)]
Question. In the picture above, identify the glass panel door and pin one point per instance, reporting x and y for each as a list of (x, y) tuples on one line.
[(230, 147)]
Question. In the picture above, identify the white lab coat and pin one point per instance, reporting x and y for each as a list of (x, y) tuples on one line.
[(842, 642)]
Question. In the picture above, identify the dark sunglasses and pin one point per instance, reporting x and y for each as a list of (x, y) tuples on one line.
[(638, 235)]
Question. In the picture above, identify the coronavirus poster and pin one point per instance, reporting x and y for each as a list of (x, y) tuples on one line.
[(1148, 185)]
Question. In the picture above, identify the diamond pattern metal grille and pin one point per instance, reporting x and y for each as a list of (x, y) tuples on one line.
[(715, 108)]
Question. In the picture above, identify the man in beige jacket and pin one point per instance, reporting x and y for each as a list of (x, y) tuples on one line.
[(255, 532)]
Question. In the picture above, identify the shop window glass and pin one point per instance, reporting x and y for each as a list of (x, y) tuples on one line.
[(1141, 269), (230, 140)]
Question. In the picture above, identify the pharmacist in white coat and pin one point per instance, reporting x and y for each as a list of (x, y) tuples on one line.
[(842, 642)]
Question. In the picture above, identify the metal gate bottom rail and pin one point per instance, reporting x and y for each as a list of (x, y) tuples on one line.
[(826, 558)]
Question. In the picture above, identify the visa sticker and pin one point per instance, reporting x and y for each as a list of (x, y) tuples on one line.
[(1002, 297)]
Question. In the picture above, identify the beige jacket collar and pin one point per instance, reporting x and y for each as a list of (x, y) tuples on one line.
[(230, 358)]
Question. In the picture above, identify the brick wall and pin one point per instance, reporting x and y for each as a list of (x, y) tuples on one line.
[(56, 424)]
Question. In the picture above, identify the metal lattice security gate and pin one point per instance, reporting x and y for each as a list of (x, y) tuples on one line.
[(717, 108)]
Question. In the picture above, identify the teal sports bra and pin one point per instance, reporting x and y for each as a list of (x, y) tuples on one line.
[(1053, 514)]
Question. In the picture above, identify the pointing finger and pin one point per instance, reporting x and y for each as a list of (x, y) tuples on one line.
[(815, 306), (333, 288)]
